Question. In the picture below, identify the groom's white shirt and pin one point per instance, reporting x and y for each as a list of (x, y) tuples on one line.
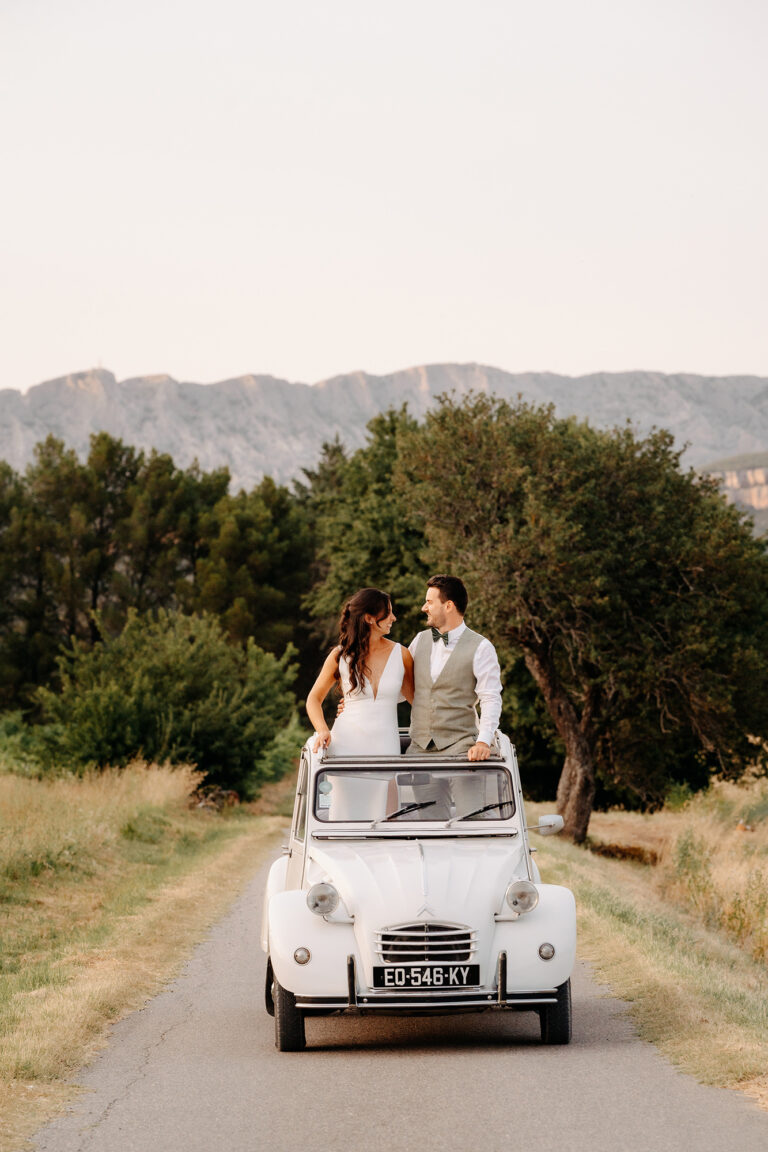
[(485, 666)]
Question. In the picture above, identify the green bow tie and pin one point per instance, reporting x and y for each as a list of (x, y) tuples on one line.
[(436, 635)]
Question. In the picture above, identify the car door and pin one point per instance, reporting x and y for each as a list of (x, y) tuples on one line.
[(297, 842)]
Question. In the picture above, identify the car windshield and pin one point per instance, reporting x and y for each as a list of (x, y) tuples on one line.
[(395, 797)]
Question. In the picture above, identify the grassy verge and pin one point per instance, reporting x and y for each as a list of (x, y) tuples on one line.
[(681, 939), (105, 884)]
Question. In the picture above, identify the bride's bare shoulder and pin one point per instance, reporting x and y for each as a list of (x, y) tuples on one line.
[(332, 659)]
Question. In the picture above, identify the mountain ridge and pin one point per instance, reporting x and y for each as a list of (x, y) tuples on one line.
[(259, 424)]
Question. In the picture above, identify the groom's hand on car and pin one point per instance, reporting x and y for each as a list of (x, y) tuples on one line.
[(479, 751)]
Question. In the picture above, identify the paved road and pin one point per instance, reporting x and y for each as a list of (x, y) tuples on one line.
[(197, 1070)]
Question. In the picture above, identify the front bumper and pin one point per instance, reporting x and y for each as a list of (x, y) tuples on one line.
[(436, 1001)]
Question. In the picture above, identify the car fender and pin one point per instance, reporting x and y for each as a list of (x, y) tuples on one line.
[(275, 883), (552, 921), (330, 942)]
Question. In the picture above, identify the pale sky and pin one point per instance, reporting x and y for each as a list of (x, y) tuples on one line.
[(308, 188)]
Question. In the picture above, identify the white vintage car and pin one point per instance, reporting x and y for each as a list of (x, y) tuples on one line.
[(408, 886)]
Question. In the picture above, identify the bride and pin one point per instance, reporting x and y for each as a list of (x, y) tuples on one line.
[(373, 673)]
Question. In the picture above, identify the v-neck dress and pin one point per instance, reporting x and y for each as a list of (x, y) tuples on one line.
[(368, 724)]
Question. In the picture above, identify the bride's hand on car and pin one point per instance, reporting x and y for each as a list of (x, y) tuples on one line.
[(322, 739)]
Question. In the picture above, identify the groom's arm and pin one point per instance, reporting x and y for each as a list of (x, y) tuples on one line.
[(488, 687)]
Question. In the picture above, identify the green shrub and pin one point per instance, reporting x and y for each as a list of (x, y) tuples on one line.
[(677, 795), (25, 749), (171, 689), (282, 754)]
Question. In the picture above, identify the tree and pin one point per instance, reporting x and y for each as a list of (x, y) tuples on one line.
[(636, 595), (363, 533), (152, 561), (11, 496), (111, 474), (46, 539), (255, 568), (171, 689), (83, 543)]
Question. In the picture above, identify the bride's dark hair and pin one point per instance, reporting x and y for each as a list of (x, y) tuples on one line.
[(355, 631)]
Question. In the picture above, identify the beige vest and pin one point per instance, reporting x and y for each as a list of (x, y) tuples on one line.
[(444, 712)]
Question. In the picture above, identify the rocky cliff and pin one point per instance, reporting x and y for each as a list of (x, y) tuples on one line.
[(258, 424)]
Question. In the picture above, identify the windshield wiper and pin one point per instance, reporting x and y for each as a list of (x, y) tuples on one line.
[(408, 808), (485, 808)]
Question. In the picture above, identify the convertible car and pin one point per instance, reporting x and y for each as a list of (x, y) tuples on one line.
[(408, 886)]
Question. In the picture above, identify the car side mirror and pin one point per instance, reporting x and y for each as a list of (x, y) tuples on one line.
[(548, 825)]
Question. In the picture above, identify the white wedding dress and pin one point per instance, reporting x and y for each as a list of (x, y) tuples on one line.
[(368, 724)]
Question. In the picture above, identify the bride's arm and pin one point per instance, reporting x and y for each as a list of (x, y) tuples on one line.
[(317, 694), (407, 688)]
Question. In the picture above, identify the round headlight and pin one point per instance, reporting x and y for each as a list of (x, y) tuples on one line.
[(322, 899), (522, 896)]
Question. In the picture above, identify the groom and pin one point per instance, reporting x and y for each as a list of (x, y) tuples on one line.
[(454, 669)]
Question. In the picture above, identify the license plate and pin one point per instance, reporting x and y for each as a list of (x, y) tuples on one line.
[(427, 976)]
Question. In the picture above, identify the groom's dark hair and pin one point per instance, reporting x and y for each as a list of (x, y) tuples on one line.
[(450, 588)]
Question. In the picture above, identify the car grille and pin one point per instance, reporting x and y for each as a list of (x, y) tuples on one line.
[(426, 942)]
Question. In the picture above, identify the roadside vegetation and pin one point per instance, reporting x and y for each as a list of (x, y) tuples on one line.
[(673, 916), (106, 880), (148, 613), (627, 600), (142, 605)]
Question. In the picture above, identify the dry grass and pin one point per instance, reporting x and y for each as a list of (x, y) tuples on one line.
[(712, 856), (105, 884), (684, 940), (718, 865), (276, 799), (50, 825)]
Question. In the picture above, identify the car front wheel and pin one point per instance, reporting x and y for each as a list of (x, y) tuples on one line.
[(556, 1018), (289, 1021), (269, 984)]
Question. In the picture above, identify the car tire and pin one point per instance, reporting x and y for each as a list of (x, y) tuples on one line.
[(269, 985), (289, 1021), (556, 1018)]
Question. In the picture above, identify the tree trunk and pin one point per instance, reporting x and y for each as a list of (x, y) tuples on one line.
[(576, 788)]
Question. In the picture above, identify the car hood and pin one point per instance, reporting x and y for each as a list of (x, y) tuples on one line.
[(389, 882)]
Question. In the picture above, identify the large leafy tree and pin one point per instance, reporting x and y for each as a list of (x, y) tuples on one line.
[(636, 595), (365, 534)]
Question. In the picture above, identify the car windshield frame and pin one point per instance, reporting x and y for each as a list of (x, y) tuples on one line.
[(397, 795)]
